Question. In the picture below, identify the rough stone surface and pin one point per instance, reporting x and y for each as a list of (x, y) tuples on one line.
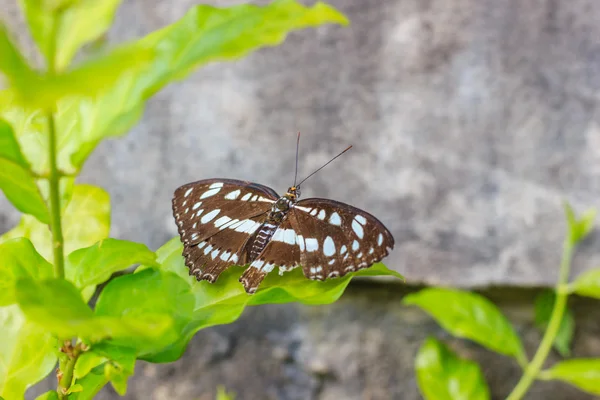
[(362, 347), (471, 121)]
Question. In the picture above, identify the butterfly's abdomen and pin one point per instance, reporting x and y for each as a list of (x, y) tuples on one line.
[(260, 239)]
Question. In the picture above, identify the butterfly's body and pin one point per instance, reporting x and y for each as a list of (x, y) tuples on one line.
[(225, 222)]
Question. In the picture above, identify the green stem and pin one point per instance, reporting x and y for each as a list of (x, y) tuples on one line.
[(533, 369), (55, 221), (67, 368)]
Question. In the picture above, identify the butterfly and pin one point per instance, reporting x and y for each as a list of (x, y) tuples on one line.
[(225, 222)]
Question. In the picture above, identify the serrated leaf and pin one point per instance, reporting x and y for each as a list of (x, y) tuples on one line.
[(442, 375), (77, 23), (18, 259), (27, 353), (544, 303), (95, 264), (224, 301), (86, 220), (588, 284), (20, 189), (58, 306), (50, 395), (144, 293), (583, 373), (471, 316), (579, 227)]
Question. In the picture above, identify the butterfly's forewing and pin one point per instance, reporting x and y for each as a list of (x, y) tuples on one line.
[(215, 218), (327, 238)]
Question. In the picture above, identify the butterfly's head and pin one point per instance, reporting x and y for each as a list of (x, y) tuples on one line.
[(293, 193)]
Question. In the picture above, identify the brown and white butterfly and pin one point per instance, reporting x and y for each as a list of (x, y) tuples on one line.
[(225, 222)]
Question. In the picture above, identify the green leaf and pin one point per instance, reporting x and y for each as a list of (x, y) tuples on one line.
[(223, 302), (471, 316), (19, 188), (12, 63), (18, 259), (15, 178), (57, 305), (86, 362), (75, 389), (205, 34), (86, 220), (27, 353), (9, 147), (588, 284), (583, 373), (147, 292), (442, 375), (544, 303), (95, 264), (77, 23), (50, 395), (222, 394), (579, 228), (91, 384)]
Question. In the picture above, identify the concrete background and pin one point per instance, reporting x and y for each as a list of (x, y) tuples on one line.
[(471, 119)]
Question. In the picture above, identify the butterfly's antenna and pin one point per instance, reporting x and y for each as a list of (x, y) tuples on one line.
[(297, 147), (348, 148)]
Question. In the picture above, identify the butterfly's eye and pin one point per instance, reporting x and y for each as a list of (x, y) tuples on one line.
[(281, 204)]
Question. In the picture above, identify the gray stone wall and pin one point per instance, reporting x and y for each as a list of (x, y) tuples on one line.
[(471, 120)]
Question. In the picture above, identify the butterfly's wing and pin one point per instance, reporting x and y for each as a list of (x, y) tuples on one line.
[(215, 218), (327, 238)]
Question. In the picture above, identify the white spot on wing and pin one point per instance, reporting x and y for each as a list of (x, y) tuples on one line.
[(278, 235), (314, 212), (196, 205), (216, 185), (207, 249), (268, 267), (311, 244), (233, 195), (225, 255), (379, 239), (221, 221), (187, 192), (332, 261), (335, 219), (328, 246), (305, 209), (361, 220), (209, 217), (210, 192), (321, 215), (357, 228), (343, 249), (247, 196), (234, 258), (215, 253), (300, 242), (289, 236), (355, 245), (257, 263), (254, 198)]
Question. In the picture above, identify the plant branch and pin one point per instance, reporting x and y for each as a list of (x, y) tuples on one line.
[(67, 368), (55, 212), (532, 371)]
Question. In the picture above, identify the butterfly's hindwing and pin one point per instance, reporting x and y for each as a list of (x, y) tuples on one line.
[(327, 238), (215, 219), (337, 238)]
